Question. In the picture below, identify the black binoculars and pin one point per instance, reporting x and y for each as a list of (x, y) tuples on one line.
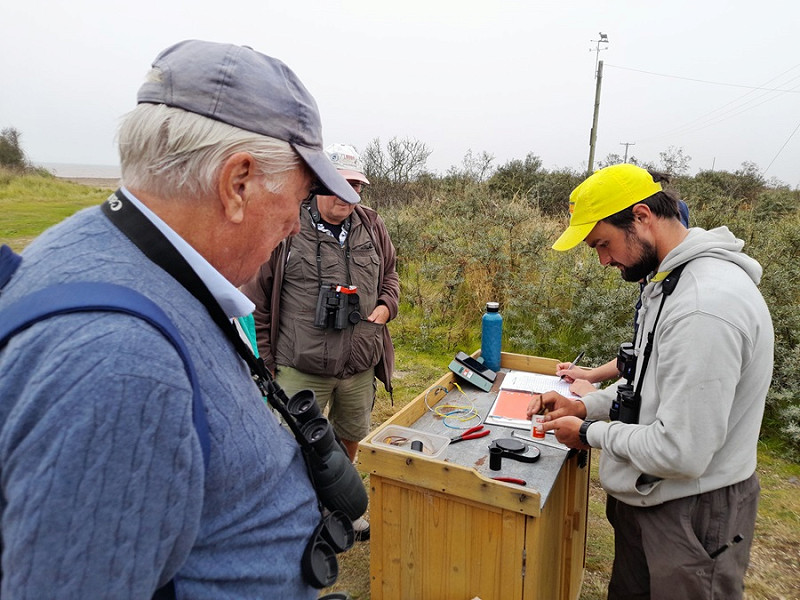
[(337, 306), (338, 486), (625, 407), (626, 361), (336, 480)]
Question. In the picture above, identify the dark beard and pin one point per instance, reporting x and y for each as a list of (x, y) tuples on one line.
[(647, 263)]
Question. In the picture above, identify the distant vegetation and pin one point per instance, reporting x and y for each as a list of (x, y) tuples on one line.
[(11, 153), (482, 233), (12, 156)]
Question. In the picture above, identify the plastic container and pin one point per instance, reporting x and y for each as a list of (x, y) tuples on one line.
[(402, 438), (491, 336), (537, 427)]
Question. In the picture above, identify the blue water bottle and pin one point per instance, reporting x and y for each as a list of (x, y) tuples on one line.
[(491, 335)]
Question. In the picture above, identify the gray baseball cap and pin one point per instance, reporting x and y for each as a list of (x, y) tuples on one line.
[(249, 90)]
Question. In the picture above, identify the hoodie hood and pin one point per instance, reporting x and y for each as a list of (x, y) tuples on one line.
[(717, 243)]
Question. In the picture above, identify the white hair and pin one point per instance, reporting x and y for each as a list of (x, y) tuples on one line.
[(171, 152)]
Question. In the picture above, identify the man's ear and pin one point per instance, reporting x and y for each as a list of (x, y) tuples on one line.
[(236, 178), (642, 213)]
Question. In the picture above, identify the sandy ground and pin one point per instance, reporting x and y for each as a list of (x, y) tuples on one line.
[(111, 184)]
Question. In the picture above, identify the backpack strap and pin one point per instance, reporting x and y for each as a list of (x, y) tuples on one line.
[(76, 297), (9, 261)]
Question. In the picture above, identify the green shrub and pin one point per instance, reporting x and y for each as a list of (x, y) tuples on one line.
[(461, 244)]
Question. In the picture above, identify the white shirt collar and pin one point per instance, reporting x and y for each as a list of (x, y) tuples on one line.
[(232, 301)]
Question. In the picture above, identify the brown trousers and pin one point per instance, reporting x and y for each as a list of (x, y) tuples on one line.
[(665, 552)]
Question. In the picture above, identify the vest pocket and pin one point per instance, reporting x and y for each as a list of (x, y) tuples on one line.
[(366, 347)]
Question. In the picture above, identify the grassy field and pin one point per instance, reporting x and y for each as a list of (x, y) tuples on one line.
[(28, 205)]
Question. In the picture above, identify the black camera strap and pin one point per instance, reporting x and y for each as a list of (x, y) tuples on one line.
[(146, 236), (667, 287), (313, 211)]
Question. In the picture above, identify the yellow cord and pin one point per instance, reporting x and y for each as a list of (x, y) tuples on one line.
[(459, 412)]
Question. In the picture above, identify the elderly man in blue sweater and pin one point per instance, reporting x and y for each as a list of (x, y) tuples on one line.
[(105, 493)]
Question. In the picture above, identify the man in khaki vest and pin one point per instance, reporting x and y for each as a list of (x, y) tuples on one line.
[(322, 304)]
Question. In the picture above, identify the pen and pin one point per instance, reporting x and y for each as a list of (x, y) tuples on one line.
[(575, 362), (736, 539)]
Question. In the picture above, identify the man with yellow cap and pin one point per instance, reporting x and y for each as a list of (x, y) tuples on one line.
[(679, 436)]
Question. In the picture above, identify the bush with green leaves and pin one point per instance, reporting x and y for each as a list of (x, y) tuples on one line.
[(11, 153), (461, 244)]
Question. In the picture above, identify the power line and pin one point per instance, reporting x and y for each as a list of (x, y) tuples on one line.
[(749, 87), (690, 126), (781, 150), (772, 92), (718, 115)]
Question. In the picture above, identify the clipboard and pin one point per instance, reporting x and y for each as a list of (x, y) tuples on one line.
[(516, 391)]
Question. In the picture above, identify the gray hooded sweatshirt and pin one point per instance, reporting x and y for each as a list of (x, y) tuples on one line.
[(705, 386)]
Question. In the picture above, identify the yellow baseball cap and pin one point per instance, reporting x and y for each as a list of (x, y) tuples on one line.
[(604, 193)]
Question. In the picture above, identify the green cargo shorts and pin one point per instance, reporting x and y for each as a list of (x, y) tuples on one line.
[(348, 401)]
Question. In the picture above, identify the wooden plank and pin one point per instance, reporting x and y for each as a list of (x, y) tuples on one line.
[(443, 547), (579, 494), (447, 477), (546, 547), (534, 364)]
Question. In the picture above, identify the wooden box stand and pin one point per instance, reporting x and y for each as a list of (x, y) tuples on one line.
[(443, 529)]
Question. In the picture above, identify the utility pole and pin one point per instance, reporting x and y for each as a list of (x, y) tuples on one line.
[(626, 144), (603, 40), (598, 74), (593, 135)]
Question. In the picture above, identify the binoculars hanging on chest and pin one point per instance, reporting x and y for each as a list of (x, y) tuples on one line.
[(625, 407), (337, 306)]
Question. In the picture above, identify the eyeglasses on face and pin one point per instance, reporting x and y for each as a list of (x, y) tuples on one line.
[(356, 185)]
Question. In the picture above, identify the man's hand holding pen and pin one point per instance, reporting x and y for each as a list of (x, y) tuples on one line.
[(569, 371)]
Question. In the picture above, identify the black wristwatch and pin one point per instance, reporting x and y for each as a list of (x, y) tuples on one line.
[(582, 432)]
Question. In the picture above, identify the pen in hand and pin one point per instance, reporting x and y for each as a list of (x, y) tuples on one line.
[(575, 362)]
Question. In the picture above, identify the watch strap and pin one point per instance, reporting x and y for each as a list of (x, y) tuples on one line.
[(582, 431)]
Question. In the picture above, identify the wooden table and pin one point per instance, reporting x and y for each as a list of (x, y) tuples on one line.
[(442, 528)]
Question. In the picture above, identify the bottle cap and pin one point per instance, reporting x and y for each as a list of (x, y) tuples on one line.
[(493, 306)]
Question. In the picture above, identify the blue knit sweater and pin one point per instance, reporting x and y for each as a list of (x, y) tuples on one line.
[(104, 491)]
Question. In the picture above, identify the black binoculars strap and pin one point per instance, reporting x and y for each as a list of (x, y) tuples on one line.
[(146, 236), (319, 256), (667, 287)]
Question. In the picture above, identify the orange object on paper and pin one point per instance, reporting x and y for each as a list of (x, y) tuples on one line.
[(511, 404)]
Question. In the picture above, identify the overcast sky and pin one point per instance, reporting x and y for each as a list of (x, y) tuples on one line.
[(507, 78)]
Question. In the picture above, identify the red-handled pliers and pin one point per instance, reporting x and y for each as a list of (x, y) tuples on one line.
[(471, 434)]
